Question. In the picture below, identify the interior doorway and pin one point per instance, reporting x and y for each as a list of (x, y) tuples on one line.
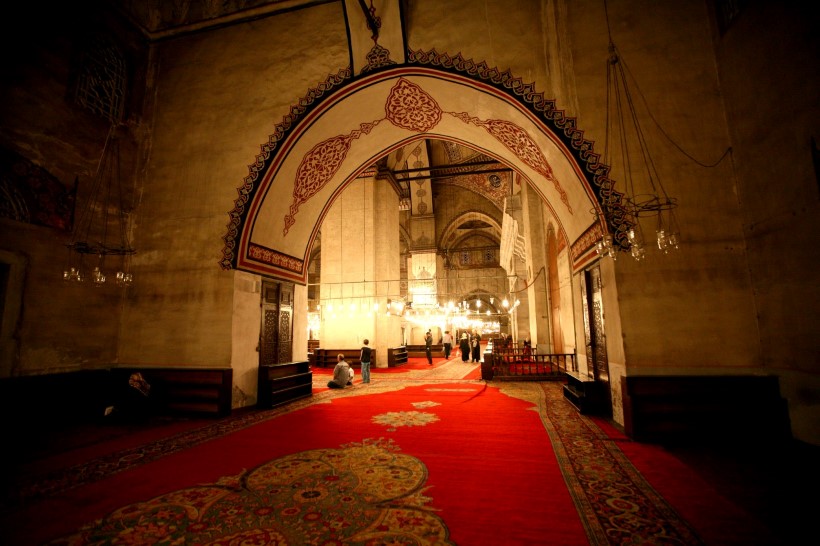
[(276, 334), (594, 333)]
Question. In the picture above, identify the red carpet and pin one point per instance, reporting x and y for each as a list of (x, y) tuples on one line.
[(416, 368), (717, 520), (411, 461), (475, 443)]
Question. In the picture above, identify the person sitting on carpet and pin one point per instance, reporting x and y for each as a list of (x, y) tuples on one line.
[(134, 402), (342, 374)]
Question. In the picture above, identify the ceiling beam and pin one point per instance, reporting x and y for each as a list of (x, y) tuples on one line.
[(453, 166)]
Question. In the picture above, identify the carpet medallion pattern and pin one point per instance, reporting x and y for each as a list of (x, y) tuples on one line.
[(366, 493), (395, 419)]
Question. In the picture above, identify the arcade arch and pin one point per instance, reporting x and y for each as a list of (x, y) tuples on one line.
[(347, 129)]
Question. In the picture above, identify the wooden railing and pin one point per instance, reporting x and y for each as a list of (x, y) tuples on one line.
[(519, 363)]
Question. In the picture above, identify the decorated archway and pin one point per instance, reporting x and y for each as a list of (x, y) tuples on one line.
[(342, 127)]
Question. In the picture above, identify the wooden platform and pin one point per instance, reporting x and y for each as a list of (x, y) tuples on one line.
[(419, 351), (327, 358), (83, 396), (283, 382), (585, 393), (724, 408), (396, 357)]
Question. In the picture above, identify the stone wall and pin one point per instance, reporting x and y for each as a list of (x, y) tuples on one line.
[(739, 297)]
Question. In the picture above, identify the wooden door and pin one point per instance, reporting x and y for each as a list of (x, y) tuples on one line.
[(595, 334), (276, 343)]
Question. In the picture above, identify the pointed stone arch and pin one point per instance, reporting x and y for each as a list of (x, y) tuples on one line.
[(452, 226), (339, 130)]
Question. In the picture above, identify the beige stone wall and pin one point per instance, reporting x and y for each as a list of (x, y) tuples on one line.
[(218, 96), (507, 34), (247, 325), (455, 284), (360, 269), (49, 326), (729, 301), (534, 229), (739, 297), (772, 121), (691, 311)]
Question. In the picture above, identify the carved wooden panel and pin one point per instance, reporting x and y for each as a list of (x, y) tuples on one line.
[(276, 343), (598, 332), (267, 345), (285, 339), (594, 332)]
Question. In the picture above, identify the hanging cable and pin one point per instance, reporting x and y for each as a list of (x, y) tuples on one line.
[(542, 270), (646, 105)]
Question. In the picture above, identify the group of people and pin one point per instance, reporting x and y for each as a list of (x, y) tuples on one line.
[(343, 373), (470, 347)]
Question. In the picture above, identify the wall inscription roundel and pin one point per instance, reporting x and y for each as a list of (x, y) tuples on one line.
[(495, 181)]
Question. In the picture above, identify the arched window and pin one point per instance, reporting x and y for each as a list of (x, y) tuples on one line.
[(101, 78)]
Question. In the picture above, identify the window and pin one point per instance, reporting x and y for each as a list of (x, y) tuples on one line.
[(727, 12), (101, 80)]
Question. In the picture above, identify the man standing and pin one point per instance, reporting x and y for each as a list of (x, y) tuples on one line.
[(448, 344), (476, 346), (428, 346), (365, 360), (342, 375)]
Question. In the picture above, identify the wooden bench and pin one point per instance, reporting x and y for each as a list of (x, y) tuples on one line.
[(82, 396), (56, 399), (185, 390), (724, 408), (396, 356), (419, 351), (284, 382), (586, 394), (327, 358)]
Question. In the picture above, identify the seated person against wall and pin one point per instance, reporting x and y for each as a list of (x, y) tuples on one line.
[(135, 402), (342, 374)]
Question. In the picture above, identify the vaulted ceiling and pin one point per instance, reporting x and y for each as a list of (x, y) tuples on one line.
[(163, 18)]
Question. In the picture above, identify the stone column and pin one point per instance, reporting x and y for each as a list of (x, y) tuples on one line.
[(534, 231), (520, 316), (386, 268), (360, 269)]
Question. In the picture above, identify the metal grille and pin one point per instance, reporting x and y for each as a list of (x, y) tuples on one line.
[(101, 80)]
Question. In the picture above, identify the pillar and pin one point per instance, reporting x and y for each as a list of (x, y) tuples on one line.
[(360, 269), (534, 231)]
